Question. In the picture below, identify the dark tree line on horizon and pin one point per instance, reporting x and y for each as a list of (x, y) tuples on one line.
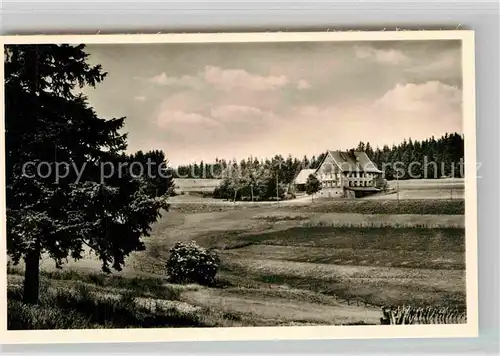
[(446, 152)]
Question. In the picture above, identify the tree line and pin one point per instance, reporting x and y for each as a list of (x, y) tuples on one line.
[(252, 178), (271, 178), (430, 158)]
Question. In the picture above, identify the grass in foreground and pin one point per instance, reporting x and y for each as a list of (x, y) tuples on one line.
[(67, 303)]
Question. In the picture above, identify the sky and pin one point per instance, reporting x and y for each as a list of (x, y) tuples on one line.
[(234, 100)]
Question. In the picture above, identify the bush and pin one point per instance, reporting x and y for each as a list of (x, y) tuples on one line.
[(189, 262)]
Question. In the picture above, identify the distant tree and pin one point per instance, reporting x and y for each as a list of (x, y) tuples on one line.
[(243, 165), (236, 182), (312, 162), (361, 146), (305, 162), (315, 162), (369, 150), (195, 172), (156, 176), (313, 185), (202, 173), (48, 120)]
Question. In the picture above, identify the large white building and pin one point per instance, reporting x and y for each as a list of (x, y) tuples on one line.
[(345, 174)]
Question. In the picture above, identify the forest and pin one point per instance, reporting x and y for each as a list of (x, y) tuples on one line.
[(432, 158), (446, 151)]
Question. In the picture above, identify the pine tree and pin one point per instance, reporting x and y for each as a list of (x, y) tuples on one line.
[(48, 120), (369, 150)]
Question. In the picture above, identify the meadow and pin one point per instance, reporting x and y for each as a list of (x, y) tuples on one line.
[(316, 263)]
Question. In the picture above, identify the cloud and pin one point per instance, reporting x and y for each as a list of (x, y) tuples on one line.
[(385, 56), (303, 84), (220, 124), (430, 97), (412, 110), (315, 95), (446, 65), (140, 98), (188, 81), (224, 79), (245, 115), (229, 79), (172, 119)]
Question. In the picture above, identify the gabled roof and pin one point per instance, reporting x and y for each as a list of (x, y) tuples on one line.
[(366, 163), (356, 161), (303, 175)]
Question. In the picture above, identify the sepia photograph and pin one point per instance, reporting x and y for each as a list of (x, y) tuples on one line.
[(320, 183)]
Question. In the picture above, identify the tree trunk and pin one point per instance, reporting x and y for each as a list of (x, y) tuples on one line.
[(251, 191), (31, 277)]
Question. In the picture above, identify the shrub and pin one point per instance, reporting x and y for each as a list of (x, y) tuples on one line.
[(189, 262)]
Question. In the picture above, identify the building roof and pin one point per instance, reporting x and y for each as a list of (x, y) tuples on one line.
[(303, 175), (356, 161)]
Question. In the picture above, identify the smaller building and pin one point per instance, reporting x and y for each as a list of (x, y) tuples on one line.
[(301, 179)]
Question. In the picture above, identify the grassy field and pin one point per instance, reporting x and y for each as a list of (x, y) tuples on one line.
[(190, 204), (195, 185), (429, 189), (312, 264)]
